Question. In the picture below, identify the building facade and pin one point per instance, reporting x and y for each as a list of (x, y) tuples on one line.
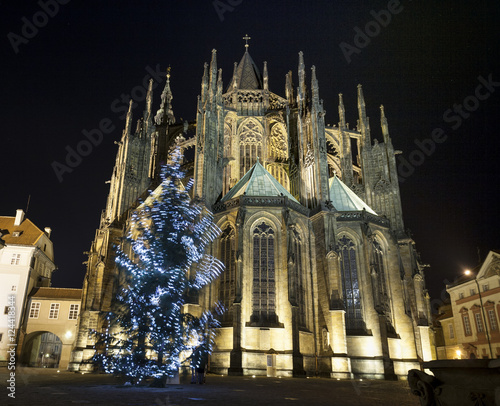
[(471, 326), (49, 329), (26, 262), (320, 277)]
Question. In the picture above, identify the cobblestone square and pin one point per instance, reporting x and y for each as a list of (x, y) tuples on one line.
[(48, 387)]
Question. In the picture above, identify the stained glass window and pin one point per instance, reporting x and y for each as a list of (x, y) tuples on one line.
[(350, 285), (228, 278), (250, 146), (264, 284)]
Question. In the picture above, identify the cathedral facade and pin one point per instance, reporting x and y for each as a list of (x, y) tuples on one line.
[(320, 276)]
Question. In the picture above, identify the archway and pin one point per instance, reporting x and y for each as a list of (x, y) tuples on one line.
[(42, 349)]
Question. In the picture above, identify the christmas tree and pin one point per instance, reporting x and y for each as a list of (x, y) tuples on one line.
[(162, 259)]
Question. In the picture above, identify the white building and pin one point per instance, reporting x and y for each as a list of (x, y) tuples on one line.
[(471, 328), (26, 262), (49, 329)]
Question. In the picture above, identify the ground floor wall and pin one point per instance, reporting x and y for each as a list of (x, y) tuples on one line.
[(268, 355)]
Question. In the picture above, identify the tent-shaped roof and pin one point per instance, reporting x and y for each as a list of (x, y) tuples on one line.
[(344, 199), (258, 182), (248, 75)]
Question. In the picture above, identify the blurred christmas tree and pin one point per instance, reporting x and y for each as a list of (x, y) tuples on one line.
[(162, 259)]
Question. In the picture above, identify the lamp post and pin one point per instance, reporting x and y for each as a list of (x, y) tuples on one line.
[(467, 272)]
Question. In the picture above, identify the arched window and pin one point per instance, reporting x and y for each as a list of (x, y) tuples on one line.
[(250, 145), (350, 285), (297, 282), (278, 143), (279, 173), (226, 184), (264, 284), (228, 277)]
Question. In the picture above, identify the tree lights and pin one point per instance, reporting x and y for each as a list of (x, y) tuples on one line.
[(147, 333)]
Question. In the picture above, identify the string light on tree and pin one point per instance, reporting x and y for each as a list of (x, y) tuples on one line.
[(161, 260)]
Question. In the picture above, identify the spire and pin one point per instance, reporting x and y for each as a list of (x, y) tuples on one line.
[(363, 120), (246, 75), (147, 116), (266, 77), (219, 87), (341, 112), (235, 76), (289, 87), (165, 114), (346, 161), (384, 125), (302, 80), (213, 75), (149, 98), (314, 86), (204, 83), (128, 121)]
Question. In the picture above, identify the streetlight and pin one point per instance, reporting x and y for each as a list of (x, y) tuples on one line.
[(469, 272)]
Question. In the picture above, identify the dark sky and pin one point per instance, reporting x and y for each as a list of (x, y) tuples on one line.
[(75, 70)]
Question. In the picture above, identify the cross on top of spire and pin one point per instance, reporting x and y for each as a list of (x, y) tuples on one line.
[(246, 38)]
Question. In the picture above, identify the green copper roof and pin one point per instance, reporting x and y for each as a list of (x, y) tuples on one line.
[(258, 182), (344, 199)]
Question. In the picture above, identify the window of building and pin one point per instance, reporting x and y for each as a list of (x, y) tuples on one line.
[(450, 328), (479, 322), (1, 337), (472, 292), (486, 287), (493, 319), (13, 288), (93, 322), (228, 278), (461, 295), (466, 322), (73, 311), (54, 311), (264, 289), (35, 310), (250, 146), (350, 284), (16, 259)]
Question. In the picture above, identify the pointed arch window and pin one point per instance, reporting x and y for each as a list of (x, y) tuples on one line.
[(227, 284), (278, 143), (350, 285), (264, 283), (250, 145)]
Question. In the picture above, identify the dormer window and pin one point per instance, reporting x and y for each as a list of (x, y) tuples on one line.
[(16, 233)]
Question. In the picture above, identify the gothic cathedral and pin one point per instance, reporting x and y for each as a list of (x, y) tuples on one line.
[(320, 276)]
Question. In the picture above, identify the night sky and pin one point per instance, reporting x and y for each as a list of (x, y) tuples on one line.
[(424, 63)]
